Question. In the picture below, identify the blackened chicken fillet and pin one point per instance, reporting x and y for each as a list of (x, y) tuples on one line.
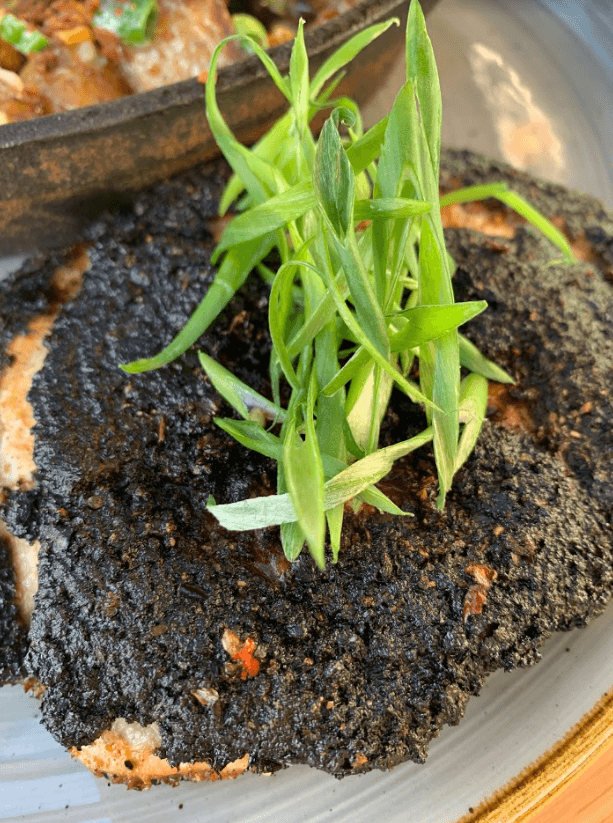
[(147, 611)]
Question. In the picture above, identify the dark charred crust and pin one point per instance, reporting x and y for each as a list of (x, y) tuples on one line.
[(21, 513), (360, 666), (12, 633), (24, 296), (579, 215), (565, 386)]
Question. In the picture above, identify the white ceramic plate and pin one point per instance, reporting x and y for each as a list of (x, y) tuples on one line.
[(532, 83)]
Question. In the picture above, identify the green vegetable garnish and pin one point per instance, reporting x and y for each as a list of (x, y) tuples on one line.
[(353, 304), (133, 21), (16, 33)]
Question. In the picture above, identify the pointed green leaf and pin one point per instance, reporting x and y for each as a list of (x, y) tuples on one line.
[(366, 150), (473, 406), (347, 52), (399, 151), (240, 396), (292, 540), (351, 368), (440, 361), (375, 497), (269, 216), (333, 179), (471, 358), (254, 513), (385, 208), (501, 191), (259, 177), (372, 468), (368, 309), (299, 75), (251, 435), (304, 476), (334, 518), (430, 322), (268, 63), (421, 69), (267, 148), (278, 312)]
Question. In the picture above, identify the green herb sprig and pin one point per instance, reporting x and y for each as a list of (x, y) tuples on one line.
[(249, 26), (362, 292)]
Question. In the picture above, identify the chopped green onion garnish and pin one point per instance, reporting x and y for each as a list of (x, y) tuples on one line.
[(133, 21), (16, 33)]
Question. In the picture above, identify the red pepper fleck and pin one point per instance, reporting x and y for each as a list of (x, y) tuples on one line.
[(477, 593), (474, 601), (250, 664), (482, 575), (242, 652)]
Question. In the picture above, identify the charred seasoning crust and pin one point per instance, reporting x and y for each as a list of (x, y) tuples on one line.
[(13, 634), (348, 670), (18, 307)]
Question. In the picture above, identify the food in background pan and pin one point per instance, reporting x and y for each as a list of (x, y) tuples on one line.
[(60, 55)]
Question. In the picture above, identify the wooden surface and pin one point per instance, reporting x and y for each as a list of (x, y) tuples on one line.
[(587, 799)]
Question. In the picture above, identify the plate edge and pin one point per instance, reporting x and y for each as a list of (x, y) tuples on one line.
[(536, 785)]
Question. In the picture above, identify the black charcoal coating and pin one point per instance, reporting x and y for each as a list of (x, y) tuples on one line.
[(12, 633), (361, 664), (20, 302), (24, 296)]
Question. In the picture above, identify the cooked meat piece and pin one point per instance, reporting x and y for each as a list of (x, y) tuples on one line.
[(149, 613), (76, 77), (84, 65), (19, 101), (186, 34), (10, 58), (52, 15)]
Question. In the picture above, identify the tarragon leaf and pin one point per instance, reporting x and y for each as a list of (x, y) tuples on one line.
[(502, 192), (334, 179), (386, 208), (427, 323), (240, 396), (473, 406), (347, 52), (421, 69), (269, 216), (472, 359)]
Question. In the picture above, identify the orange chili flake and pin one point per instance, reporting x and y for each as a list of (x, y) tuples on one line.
[(71, 37), (483, 575), (477, 593), (474, 601), (242, 652)]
